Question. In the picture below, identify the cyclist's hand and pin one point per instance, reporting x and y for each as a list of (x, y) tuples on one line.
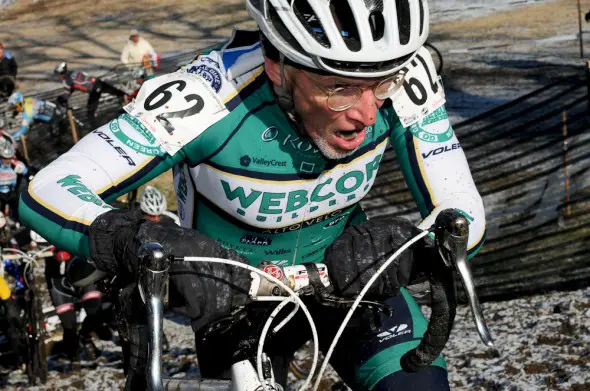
[(357, 254), (208, 289)]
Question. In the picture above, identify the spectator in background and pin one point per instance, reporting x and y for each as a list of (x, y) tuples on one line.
[(8, 70), (138, 51)]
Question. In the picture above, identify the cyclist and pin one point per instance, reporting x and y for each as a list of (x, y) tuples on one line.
[(153, 205), (64, 296), (34, 110), (5, 134), (13, 326), (275, 136), (13, 179), (81, 81), (139, 75)]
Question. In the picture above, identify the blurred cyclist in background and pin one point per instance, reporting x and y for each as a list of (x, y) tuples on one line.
[(81, 81), (139, 76), (153, 205), (12, 179), (34, 110), (64, 296)]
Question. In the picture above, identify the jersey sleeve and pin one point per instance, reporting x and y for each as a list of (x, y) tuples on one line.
[(65, 197), (160, 128), (430, 156), (437, 174)]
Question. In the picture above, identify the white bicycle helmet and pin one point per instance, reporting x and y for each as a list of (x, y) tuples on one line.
[(152, 201), (355, 38), (139, 73), (16, 99), (6, 149), (61, 68)]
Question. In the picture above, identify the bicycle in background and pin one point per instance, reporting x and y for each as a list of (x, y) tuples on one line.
[(22, 267)]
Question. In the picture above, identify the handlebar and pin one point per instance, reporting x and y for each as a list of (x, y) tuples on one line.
[(45, 252), (451, 230)]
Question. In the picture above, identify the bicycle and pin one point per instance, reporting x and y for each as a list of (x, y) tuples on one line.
[(22, 265), (451, 232)]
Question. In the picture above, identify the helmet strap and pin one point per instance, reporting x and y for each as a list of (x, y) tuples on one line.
[(283, 93), (285, 99)]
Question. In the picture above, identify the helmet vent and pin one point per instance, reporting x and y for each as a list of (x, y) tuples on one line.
[(345, 21), (403, 20), (422, 17), (310, 20), (283, 31), (377, 23)]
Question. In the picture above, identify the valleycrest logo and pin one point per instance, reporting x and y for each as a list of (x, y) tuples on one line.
[(246, 161)]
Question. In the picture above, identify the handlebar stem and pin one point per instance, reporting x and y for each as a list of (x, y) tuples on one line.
[(153, 278)]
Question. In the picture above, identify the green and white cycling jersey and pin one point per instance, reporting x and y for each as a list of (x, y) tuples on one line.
[(243, 175)]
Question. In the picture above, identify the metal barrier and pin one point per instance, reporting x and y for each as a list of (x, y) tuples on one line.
[(531, 162)]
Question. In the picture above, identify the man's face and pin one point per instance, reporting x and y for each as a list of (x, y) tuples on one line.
[(154, 218), (6, 162), (336, 133), (1, 52), (134, 38)]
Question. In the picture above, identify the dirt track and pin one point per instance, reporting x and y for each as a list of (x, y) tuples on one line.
[(90, 34)]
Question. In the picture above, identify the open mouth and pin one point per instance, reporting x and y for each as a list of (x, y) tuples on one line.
[(348, 135), (349, 140)]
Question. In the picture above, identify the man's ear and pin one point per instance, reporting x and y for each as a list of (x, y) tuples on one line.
[(273, 70)]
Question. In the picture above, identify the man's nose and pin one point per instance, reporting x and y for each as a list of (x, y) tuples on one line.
[(365, 110)]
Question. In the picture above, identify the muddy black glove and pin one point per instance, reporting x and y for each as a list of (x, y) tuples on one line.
[(208, 289), (357, 254)]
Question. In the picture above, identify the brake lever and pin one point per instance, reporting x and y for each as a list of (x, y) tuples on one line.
[(451, 233)]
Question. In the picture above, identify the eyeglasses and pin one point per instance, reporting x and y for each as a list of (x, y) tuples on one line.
[(342, 98)]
